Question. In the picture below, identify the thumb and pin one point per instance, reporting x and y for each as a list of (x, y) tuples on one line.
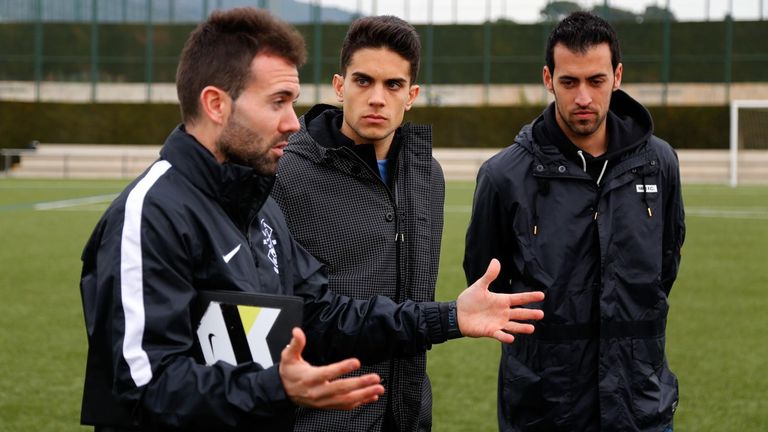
[(492, 272), (294, 349)]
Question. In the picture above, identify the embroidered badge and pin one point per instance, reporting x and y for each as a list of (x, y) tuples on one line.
[(270, 243)]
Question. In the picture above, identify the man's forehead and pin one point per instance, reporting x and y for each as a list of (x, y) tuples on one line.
[(377, 61), (595, 58)]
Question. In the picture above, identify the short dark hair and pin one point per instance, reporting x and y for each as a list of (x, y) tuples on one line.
[(579, 32), (382, 31), (220, 50)]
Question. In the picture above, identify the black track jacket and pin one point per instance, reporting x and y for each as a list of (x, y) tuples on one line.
[(606, 255), (189, 223)]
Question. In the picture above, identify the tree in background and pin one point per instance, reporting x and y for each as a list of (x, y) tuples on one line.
[(557, 10)]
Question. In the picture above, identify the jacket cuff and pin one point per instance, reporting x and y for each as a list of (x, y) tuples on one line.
[(442, 321)]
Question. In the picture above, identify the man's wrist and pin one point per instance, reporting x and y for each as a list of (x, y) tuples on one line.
[(451, 321)]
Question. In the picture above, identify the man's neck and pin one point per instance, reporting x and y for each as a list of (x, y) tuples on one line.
[(381, 147), (206, 136), (596, 144)]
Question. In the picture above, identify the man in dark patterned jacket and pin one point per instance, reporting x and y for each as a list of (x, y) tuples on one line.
[(362, 193)]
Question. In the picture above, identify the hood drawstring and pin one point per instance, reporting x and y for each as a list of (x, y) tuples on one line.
[(584, 166), (583, 161), (541, 189), (645, 196), (600, 177)]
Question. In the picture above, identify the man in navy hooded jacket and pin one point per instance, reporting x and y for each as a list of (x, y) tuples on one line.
[(586, 206)]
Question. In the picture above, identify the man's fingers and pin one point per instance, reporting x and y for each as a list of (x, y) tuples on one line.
[(492, 272), (294, 349), (346, 393), (354, 398), (520, 299), (335, 370), (519, 328), (525, 314), (503, 336)]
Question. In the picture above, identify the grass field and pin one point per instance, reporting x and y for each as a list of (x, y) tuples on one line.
[(717, 332)]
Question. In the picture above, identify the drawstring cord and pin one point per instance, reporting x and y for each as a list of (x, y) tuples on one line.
[(645, 196), (600, 177), (583, 161), (541, 189)]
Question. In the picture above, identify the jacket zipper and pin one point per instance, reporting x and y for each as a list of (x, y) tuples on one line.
[(399, 241)]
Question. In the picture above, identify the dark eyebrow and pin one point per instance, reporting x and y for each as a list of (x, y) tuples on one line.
[(361, 75), (286, 93), (568, 77), (365, 76), (401, 81)]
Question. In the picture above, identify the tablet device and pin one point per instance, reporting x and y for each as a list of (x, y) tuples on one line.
[(238, 327)]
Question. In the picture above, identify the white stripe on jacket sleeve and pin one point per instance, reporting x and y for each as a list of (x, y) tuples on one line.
[(132, 278)]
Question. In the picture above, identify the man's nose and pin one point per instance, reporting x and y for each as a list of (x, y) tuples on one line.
[(583, 98)]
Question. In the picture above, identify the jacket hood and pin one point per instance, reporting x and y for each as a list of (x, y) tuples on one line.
[(320, 135), (629, 125), (237, 188)]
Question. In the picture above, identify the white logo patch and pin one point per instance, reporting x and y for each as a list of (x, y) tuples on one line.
[(270, 243), (232, 253), (648, 188)]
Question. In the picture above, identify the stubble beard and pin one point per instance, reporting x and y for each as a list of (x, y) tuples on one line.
[(580, 127), (242, 145)]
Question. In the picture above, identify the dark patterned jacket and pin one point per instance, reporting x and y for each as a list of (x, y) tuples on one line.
[(375, 239)]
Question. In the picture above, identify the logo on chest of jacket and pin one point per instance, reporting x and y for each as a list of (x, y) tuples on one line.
[(270, 243), (648, 188)]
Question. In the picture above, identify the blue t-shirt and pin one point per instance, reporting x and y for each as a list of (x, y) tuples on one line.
[(383, 170)]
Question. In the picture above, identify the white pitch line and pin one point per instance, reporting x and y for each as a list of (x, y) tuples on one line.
[(727, 213), (758, 213), (63, 204)]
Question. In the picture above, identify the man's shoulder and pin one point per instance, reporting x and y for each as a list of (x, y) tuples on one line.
[(508, 158), (663, 149)]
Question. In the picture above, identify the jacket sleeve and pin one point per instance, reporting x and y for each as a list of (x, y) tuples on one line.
[(147, 264), (488, 233), (372, 330), (674, 222)]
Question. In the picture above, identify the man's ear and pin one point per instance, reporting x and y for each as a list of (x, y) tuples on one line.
[(413, 92), (617, 76), (216, 104), (338, 87), (546, 76)]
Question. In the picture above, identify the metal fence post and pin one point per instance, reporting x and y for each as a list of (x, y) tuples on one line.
[(149, 51), (94, 48), (429, 48), (666, 64), (728, 55), (317, 67), (38, 56), (487, 34)]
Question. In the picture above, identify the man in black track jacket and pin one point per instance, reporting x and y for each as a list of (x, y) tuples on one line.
[(362, 193), (586, 206), (200, 218)]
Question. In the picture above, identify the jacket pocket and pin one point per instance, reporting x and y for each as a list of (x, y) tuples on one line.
[(654, 387), (535, 390)]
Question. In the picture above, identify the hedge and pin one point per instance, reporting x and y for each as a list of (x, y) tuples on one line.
[(492, 127)]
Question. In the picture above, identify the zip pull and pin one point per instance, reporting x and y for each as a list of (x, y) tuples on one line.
[(650, 213), (596, 214), (535, 230), (399, 237)]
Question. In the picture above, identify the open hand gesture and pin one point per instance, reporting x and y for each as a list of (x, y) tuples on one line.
[(482, 313), (320, 386)]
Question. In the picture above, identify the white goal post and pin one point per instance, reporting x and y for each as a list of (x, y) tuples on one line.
[(741, 139)]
